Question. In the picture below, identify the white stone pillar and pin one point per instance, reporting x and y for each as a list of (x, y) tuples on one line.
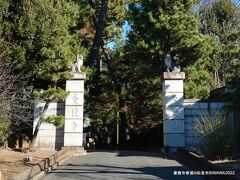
[(173, 110), (73, 126)]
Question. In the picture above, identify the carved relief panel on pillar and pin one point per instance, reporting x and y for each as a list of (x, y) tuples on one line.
[(75, 98), (73, 125), (75, 112)]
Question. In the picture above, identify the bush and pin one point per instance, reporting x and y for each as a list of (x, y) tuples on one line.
[(7, 93), (16, 104), (4, 127), (217, 133)]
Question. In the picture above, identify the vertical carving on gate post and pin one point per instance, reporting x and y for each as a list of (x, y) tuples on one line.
[(73, 125)]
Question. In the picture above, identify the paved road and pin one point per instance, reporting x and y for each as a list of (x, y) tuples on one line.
[(118, 166)]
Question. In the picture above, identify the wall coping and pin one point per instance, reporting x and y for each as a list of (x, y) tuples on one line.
[(192, 100), (174, 75), (78, 76)]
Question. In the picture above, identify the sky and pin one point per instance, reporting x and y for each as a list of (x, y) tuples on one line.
[(127, 28)]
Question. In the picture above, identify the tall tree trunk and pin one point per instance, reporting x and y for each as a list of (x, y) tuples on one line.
[(121, 101), (99, 33), (38, 126), (123, 124), (5, 144), (111, 70)]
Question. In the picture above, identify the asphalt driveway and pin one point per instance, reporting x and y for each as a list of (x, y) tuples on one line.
[(119, 165)]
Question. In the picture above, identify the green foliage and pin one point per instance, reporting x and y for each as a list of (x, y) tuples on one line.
[(43, 37), (198, 82), (4, 30), (4, 128), (129, 81), (144, 99), (217, 133), (158, 28), (105, 85), (46, 47), (58, 121), (233, 92), (52, 94), (221, 19), (161, 27), (44, 44), (104, 105)]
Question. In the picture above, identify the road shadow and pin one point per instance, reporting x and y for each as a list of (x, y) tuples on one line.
[(92, 169)]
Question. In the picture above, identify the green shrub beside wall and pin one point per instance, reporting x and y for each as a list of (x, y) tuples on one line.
[(218, 135)]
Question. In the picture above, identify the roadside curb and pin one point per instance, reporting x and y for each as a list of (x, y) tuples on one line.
[(46, 165), (201, 163)]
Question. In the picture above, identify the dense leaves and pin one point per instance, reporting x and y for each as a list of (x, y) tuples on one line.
[(39, 39), (221, 20), (124, 81)]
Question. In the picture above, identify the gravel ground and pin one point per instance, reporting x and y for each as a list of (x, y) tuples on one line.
[(11, 161)]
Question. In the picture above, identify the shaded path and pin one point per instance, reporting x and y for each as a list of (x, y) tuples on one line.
[(119, 165)]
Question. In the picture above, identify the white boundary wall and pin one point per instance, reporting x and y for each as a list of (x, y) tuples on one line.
[(179, 115), (49, 137), (71, 134), (193, 110)]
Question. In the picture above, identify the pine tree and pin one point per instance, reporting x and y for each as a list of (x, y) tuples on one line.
[(45, 47), (157, 28), (199, 81), (161, 27), (220, 19), (103, 106)]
